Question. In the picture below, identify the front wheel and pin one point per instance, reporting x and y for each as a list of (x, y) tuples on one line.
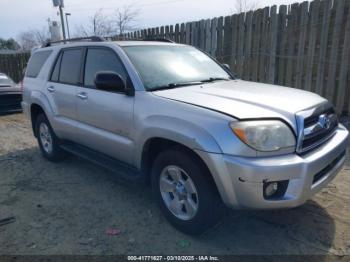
[(183, 189)]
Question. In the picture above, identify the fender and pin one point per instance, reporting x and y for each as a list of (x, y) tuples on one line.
[(39, 98), (192, 136)]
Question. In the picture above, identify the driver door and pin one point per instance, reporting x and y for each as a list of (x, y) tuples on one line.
[(105, 117)]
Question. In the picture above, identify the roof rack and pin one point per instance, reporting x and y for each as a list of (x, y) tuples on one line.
[(101, 39), (89, 38)]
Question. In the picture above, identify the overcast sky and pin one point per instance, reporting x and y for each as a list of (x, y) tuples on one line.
[(21, 15)]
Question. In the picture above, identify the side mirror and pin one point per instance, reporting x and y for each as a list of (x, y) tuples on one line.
[(227, 66), (109, 81)]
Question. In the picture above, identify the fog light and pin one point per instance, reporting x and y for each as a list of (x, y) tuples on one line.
[(271, 189), (275, 190)]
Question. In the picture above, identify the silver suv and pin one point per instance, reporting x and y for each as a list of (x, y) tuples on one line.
[(172, 115)]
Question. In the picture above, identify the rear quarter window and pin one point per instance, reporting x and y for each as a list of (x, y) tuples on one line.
[(56, 69), (36, 62)]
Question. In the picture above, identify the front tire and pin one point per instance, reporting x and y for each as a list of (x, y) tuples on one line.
[(184, 191), (47, 140)]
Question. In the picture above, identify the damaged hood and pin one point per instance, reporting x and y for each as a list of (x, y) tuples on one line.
[(246, 100)]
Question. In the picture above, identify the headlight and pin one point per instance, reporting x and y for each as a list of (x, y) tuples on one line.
[(266, 135)]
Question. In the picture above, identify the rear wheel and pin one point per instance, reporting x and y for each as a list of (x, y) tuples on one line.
[(48, 141), (184, 192)]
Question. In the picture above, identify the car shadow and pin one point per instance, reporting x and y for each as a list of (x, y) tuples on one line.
[(308, 229), (8, 113)]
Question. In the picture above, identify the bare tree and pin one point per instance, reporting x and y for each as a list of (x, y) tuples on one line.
[(99, 25), (125, 18), (241, 6), (33, 37), (122, 21), (82, 31)]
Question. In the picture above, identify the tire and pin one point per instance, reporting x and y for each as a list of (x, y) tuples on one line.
[(199, 211), (45, 133)]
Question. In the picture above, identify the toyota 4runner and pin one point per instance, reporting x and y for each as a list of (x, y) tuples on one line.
[(172, 115)]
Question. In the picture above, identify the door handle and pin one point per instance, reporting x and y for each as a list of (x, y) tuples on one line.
[(51, 89), (82, 95)]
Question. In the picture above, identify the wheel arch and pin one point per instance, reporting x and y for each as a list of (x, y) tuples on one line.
[(155, 145), (39, 104), (35, 111)]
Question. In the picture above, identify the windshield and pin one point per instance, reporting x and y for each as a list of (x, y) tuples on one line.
[(5, 81), (162, 67)]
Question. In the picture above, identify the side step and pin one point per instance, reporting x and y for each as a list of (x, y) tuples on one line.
[(125, 170)]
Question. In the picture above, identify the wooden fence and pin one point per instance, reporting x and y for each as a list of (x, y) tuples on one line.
[(305, 45), (13, 65)]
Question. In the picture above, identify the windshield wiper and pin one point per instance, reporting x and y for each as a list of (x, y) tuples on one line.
[(213, 79), (176, 85)]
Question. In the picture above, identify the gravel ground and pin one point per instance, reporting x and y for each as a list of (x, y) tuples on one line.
[(66, 208)]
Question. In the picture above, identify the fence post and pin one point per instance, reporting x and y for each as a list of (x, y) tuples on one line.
[(323, 46), (301, 44), (332, 65), (220, 37), (343, 97), (273, 45), (214, 35), (248, 46)]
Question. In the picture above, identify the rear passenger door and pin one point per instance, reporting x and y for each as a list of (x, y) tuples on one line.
[(61, 91), (105, 117)]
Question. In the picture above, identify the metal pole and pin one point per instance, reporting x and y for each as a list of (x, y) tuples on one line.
[(67, 14), (62, 23)]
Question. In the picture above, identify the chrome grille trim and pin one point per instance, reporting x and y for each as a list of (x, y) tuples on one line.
[(309, 128)]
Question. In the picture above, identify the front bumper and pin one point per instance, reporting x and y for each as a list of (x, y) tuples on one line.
[(10, 102), (240, 180)]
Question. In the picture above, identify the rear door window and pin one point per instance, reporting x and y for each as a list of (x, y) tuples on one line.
[(36, 62), (70, 66)]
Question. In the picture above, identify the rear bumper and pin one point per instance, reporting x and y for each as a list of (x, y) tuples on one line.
[(240, 180)]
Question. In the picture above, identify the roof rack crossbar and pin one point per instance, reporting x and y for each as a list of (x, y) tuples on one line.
[(89, 38)]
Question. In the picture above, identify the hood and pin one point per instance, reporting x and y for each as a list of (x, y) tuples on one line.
[(9, 89), (246, 100)]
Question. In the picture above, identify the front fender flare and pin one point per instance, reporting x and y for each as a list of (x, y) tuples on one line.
[(177, 130)]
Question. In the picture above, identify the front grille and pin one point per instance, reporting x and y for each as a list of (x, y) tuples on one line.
[(316, 126), (311, 120), (308, 143), (327, 169)]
